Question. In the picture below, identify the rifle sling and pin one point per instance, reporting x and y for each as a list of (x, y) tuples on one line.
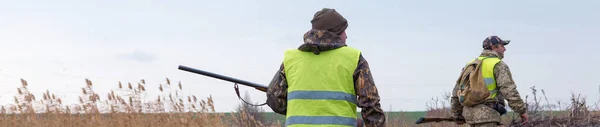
[(237, 91)]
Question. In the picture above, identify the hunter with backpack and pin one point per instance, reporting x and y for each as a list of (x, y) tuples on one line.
[(483, 85)]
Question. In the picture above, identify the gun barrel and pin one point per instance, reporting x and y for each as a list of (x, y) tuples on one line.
[(438, 119), (222, 77)]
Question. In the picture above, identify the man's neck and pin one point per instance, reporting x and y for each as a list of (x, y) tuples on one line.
[(491, 53)]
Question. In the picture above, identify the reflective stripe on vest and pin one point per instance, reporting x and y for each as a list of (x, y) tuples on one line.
[(487, 71), (321, 87)]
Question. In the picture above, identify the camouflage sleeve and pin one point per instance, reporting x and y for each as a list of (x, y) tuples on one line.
[(277, 92), (508, 88), (368, 96), (455, 106)]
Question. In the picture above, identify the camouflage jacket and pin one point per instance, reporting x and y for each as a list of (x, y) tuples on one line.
[(507, 91), (368, 98)]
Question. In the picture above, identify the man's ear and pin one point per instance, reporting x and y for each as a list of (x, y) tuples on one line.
[(343, 35), (493, 47)]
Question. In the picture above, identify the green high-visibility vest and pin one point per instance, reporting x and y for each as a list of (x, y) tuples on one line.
[(321, 87), (487, 71)]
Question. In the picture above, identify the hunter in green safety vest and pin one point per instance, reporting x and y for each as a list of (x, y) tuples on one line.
[(324, 81), (321, 87), (498, 80)]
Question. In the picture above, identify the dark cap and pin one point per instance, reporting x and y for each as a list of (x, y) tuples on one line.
[(493, 40), (330, 20)]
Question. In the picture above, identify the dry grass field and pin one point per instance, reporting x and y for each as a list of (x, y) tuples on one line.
[(123, 106)]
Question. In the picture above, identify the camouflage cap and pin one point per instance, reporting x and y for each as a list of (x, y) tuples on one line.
[(493, 40)]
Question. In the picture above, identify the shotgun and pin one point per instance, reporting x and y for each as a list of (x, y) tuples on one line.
[(223, 77), (439, 119)]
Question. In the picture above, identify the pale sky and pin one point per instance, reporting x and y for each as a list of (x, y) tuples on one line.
[(415, 48)]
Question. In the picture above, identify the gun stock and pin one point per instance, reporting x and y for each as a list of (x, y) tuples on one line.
[(222, 77), (439, 119)]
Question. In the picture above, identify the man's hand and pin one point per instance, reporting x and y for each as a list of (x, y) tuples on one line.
[(459, 122), (524, 118)]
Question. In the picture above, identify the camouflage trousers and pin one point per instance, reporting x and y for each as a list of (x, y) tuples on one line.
[(481, 114), (491, 124)]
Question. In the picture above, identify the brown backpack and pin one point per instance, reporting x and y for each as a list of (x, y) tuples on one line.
[(472, 89)]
